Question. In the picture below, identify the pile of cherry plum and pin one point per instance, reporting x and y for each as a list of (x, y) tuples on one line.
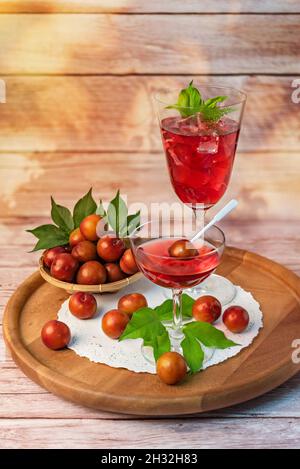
[(88, 259)]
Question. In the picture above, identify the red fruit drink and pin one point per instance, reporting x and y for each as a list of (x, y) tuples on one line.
[(200, 157), (159, 267)]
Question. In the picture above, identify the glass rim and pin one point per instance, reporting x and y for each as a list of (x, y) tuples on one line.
[(155, 95), (214, 250)]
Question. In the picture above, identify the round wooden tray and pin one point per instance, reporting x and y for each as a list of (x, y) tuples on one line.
[(257, 369)]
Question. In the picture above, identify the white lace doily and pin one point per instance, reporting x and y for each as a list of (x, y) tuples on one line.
[(88, 339)]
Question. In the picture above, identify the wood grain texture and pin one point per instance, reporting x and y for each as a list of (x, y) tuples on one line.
[(256, 370), (22, 398), (267, 184), (188, 433), (127, 44), (69, 113), (144, 6), (83, 114), (25, 399)]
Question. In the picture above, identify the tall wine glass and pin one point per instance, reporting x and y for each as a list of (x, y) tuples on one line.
[(200, 156), (153, 253)]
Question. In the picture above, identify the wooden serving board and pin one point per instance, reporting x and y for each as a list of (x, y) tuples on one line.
[(265, 364)]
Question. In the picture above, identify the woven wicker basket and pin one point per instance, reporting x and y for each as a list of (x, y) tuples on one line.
[(74, 287)]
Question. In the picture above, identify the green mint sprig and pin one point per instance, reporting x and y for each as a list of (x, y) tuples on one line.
[(146, 324), (190, 102), (64, 222)]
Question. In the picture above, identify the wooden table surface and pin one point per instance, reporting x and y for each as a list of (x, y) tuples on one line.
[(78, 114)]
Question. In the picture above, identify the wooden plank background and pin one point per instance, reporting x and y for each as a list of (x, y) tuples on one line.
[(79, 77), (153, 44), (266, 183), (65, 113), (155, 6)]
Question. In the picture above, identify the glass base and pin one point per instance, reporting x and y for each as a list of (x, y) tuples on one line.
[(176, 335), (147, 352), (217, 286)]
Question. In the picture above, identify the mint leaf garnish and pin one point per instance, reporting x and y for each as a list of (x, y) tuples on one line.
[(190, 102), (211, 112), (62, 217), (145, 324), (84, 207)]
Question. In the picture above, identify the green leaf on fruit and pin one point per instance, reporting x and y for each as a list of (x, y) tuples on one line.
[(62, 217), (117, 214), (83, 208), (165, 310), (49, 236), (190, 103), (145, 324)]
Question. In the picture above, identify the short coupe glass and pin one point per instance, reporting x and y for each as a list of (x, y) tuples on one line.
[(200, 156), (152, 253)]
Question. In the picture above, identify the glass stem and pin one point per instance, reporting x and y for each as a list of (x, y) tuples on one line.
[(177, 310), (196, 212)]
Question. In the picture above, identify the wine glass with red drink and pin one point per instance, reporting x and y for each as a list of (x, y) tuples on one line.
[(175, 263), (200, 129)]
